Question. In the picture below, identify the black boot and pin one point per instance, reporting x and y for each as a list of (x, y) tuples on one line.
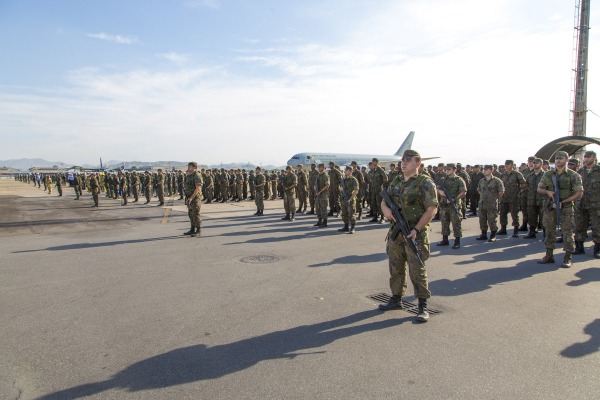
[(299, 211), (359, 216), (330, 214), (423, 315), (191, 231), (444, 241), (597, 250), (287, 217), (312, 210), (502, 230), (523, 228), (196, 233), (579, 247), (344, 229), (492, 237), (293, 217), (531, 234), (515, 232), (319, 223), (483, 236), (567, 261), (374, 219), (324, 224), (456, 243), (352, 228), (395, 303)]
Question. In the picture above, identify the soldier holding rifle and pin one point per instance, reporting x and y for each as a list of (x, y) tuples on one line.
[(413, 204)]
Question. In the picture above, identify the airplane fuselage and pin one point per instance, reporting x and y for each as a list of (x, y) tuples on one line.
[(339, 158)]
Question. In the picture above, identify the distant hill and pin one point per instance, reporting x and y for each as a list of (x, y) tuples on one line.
[(26, 163)]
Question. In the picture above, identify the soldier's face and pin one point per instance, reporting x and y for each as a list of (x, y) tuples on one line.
[(560, 162), (508, 167), (487, 172), (537, 166), (409, 165), (450, 171), (321, 169), (589, 161), (347, 172)]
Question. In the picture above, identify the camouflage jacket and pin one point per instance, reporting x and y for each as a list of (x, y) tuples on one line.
[(489, 192)]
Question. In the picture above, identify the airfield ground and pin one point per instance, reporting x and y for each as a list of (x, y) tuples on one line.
[(115, 303)]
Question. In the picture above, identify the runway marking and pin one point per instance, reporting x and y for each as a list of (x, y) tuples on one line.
[(168, 209)]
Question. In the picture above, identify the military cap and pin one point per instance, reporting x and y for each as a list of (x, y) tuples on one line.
[(458, 164), (410, 154), (348, 168), (561, 154), (450, 166), (547, 162), (331, 163), (440, 164), (531, 158), (509, 162), (321, 165), (353, 163), (573, 161), (488, 166), (590, 153), (535, 160), (377, 159), (193, 164)]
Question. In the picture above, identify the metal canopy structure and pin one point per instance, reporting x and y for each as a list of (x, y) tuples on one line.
[(570, 144)]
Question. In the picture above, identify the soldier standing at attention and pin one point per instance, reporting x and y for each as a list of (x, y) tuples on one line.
[(524, 194), (417, 199), (513, 183), (274, 181), (193, 197), (378, 179), (535, 201), (455, 186), (312, 193), (160, 187), (290, 181), (77, 186), (570, 189), (135, 186), (59, 184), (476, 176), (361, 188), (321, 188), (147, 186), (490, 189), (251, 184), (302, 189), (259, 194), (349, 191), (335, 178), (465, 176), (589, 207), (123, 187), (180, 180), (95, 188), (239, 185), (208, 186)]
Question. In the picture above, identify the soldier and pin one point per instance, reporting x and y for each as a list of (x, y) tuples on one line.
[(135, 186), (525, 169), (193, 200), (259, 193), (274, 181), (513, 182), (160, 187), (465, 176), (589, 206), (239, 183), (267, 187), (147, 186), (180, 180), (335, 178), (59, 184), (573, 164), (490, 189), (244, 184), (545, 165), (570, 189), (475, 178), (302, 189), (456, 187), (224, 184), (48, 184), (535, 201), (349, 189), (312, 193), (393, 172), (378, 180), (290, 181), (416, 195), (169, 184), (123, 187), (95, 188), (208, 186), (321, 189), (360, 178), (251, 184), (366, 193)]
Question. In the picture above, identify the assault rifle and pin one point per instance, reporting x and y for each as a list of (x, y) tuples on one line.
[(452, 202), (344, 191), (400, 225)]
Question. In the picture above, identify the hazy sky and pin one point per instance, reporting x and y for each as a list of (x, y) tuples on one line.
[(226, 81)]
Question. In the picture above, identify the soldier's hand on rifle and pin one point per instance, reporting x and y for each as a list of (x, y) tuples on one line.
[(412, 235), (388, 214)]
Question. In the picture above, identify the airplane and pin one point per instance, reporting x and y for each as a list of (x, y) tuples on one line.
[(345, 159)]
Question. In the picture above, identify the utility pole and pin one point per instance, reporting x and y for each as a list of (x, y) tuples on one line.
[(580, 69)]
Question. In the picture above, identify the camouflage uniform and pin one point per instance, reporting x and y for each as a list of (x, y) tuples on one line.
[(95, 188), (378, 179), (463, 174), (360, 178), (489, 194), (535, 202), (312, 195), (454, 185), (160, 188), (123, 188), (302, 190), (239, 183), (148, 186), (321, 181), (474, 191), (259, 183), (192, 181), (208, 186), (349, 185), (180, 180), (290, 181), (335, 179), (510, 201), (589, 206), (135, 186)]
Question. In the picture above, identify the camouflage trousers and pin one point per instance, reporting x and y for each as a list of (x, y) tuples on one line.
[(148, 193), (349, 211), (359, 201), (258, 199), (312, 197), (585, 217), (513, 208), (399, 255), (160, 192), (334, 200), (448, 215), (59, 188), (524, 207), (224, 193), (136, 193), (488, 215), (209, 193), (194, 212), (375, 203), (95, 196), (124, 196), (273, 189), (567, 217), (535, 215), (301, 198), (239, 191), (289, 202), (322, 203)]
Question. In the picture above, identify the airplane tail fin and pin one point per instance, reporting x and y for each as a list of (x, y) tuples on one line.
[(406, 145)]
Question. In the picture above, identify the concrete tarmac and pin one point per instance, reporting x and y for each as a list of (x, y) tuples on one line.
[(115, 303)]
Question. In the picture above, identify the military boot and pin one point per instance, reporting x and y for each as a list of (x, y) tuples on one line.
[(492, 237), (344, 229), (548, 258), (502, 230), (515, 232), (324, 224), (444, 241), (257, 212), (359, 216), (531, 234), (567, 261), (374, 219), (456, 243), (597, 250), (191, 231), (579, 247), (381, 219), (523, 228), (319, 223), (352, 230), (312, 210), (395, 303), (287, 217), (483, 236), (299, 211), (330, 214), (196, 233), (423, 315)]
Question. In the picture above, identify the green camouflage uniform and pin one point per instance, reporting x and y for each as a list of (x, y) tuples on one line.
[(259, 193), (378, 179), (302, 190), (312, 179), (413, 197), (454, 185), (589, 205), (289, 195), (349, 185), (335, 179), (123, 188), (135, 186), (569, 182), (361, 190), (95, 188), (535, 201), (489, 193), (192, 181), (322, 199), (510, 201)]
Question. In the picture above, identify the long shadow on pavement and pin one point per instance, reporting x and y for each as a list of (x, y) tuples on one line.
[(76, 246), (200, 362), (577, 350), (585, 276), (354, 259)]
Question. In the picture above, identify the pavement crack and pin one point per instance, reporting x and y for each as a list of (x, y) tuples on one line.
[(18, 389)]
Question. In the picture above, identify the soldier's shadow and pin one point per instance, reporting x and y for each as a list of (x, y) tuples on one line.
[(76, 246), (577, 350), (587, 275), (200, 362), (354, 259)]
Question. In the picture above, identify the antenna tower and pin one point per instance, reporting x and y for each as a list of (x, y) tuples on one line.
[(580, 68)]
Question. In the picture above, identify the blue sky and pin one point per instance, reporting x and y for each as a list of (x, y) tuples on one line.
[(225, 81)]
